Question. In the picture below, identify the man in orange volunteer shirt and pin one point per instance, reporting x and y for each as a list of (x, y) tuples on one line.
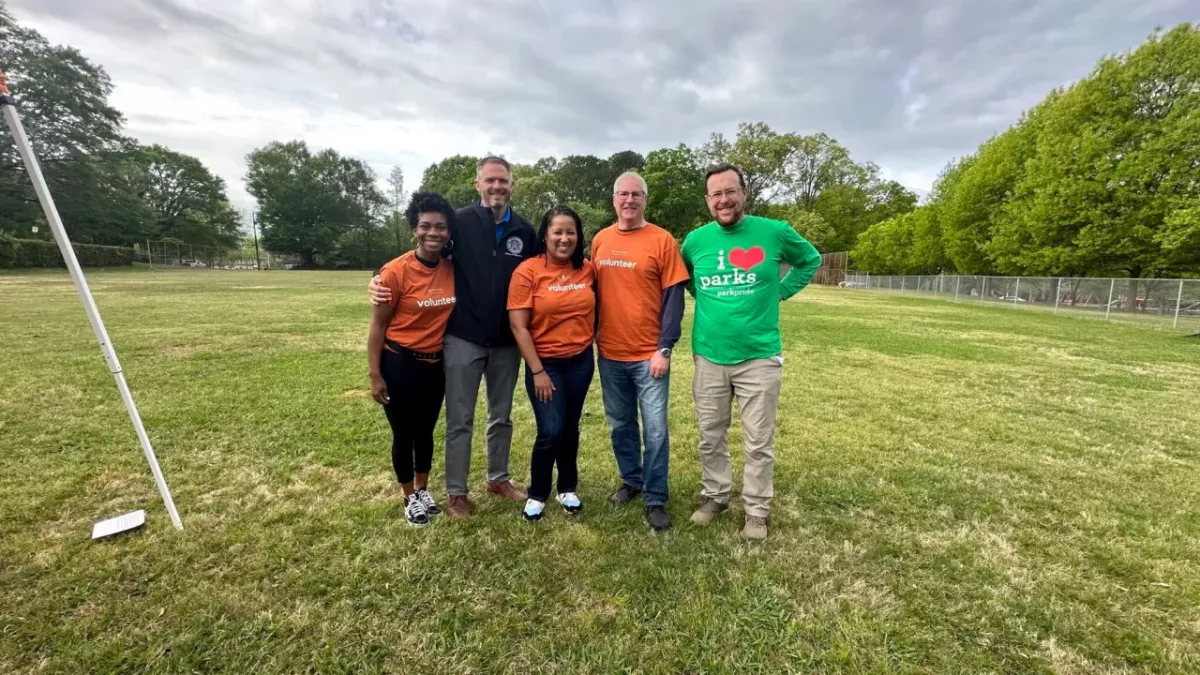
[(640, 278)]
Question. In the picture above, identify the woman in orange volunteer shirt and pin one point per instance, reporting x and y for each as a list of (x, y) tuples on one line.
[(552, 309), (404, 349)]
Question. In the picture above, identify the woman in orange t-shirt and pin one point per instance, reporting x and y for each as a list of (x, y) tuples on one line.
[(552, 310), (404, 349)]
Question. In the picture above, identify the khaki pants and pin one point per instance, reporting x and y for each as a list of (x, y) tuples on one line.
[(756, 384)]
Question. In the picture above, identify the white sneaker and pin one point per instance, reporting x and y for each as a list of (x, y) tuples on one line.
[(570, 502), (533, 510)]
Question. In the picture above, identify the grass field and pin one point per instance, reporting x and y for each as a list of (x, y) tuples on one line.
[(959, 489)]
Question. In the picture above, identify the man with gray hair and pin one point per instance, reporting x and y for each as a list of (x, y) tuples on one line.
[(640, 280), (487, 242)]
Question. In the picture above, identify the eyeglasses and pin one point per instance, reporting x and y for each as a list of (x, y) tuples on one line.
[(625, 194), (727, 194)]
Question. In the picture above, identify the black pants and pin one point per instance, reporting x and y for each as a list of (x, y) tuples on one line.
[(416, 389), (557, 440)]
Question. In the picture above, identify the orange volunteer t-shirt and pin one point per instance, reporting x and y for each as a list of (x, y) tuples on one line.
[(422, 300), (632, 270), (562, 304)]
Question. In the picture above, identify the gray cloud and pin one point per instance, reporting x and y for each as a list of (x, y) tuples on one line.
[(908, 85)]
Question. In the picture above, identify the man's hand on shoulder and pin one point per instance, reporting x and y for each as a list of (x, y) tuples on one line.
[(377, 292)]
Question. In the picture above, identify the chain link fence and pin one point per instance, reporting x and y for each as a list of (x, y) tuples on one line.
[(168, 254), (1173, 303)]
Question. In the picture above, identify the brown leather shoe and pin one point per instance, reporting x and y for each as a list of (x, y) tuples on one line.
[(457, 507), (506, 490)]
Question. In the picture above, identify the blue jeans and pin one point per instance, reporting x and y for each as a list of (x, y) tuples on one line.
[(627, 386), (557, 442)]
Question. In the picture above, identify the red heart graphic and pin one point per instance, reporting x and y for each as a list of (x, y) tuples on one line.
[(747, 259)]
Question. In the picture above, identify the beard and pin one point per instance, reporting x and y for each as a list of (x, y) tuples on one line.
[(735, 216)]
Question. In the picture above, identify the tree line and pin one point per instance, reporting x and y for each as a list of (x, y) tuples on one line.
[(109, 189), (332, 210), (1102, 178), (811, 181), (319, 205)]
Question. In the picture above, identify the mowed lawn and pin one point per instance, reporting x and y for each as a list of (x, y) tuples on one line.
[(958, 489)]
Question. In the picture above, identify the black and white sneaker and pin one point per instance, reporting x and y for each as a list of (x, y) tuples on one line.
[(431, 506), (414, 511)]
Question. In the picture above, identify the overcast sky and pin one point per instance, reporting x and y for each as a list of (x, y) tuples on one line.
[(905, 84)]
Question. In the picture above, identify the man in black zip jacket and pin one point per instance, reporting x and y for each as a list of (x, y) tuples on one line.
[(488, 240)]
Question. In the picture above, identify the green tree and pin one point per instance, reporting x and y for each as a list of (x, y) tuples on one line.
[(816, 173), (584, 179), (594, 219), (76, 136), (308, 202), (760, 153), (536, 188), (189, 203), (808, 224), (815, 163), (972, 194), (619, 163), (1115, 162), (454, 178), (867, 254), (675, 179), (910, 243), (364, 247), (98, 197), (1180, 238), (63, 97)]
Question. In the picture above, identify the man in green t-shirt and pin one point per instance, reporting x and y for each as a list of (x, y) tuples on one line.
[(734, 263)]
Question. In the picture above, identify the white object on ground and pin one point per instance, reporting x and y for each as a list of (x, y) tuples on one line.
[(129, 521)]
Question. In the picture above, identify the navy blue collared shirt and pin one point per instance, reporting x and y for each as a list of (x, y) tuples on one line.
[(503, 221)]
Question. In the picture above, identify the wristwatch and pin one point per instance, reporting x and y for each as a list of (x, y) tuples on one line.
[(665, 351)]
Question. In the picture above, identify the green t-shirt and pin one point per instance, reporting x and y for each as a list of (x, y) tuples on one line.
[(735, 279)]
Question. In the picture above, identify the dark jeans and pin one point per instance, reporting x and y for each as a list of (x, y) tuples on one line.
[(558, 423), (628, 387), (416, 389)]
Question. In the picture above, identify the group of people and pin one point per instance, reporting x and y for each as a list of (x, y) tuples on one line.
[(482, 291)]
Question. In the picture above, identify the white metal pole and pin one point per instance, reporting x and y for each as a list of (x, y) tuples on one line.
[(983, 291), (1108, 307), (149, 255), (957, 283), (1057, 293), (8, 105), (1178, 302), (1017, 292)]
